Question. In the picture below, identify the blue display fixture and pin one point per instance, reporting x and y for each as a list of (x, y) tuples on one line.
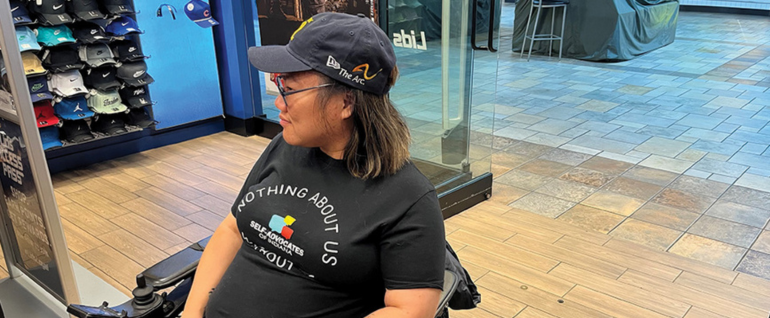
[(183, 62)]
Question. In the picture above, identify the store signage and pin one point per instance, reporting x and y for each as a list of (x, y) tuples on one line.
[(409, 41), (27, 227)]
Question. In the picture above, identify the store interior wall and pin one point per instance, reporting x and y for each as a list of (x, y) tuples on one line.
[(183, 62)]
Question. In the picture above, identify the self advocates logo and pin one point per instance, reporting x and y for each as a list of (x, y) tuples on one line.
[(281, 225)]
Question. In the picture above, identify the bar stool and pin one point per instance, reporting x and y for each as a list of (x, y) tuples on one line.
[(547, 4)]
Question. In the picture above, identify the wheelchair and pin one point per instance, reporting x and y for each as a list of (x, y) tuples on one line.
[(177, 272)]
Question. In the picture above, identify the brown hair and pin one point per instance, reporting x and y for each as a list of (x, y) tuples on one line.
[(379, 140)]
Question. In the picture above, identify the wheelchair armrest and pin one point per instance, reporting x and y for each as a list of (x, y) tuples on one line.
[(450, 285), (175, 268)]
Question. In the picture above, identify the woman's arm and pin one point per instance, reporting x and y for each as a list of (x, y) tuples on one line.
[(409, 303), (217, 256)]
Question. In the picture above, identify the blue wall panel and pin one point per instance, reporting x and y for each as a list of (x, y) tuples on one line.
[(183, 63)]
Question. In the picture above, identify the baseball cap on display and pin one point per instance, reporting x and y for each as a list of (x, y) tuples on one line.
[(38, 88), (50, 137), (44, 114), (139, 117), (102, 78), (200, 13), (61, 59), (20, 13), (118, 6), (27, 39), (86, 9), (96, 54), (76, 131), (73, 108), (135, 97), (109, 124), (347, 48), (32, 64), (67, 84), (106, 102), (50, 12), (122, 26), (128, 51), (87, 32), (55, 35), (135, 74)]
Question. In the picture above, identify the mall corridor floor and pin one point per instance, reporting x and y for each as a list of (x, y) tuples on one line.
[(124, 215)]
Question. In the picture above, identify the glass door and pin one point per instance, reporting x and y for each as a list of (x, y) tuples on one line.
[(447, 58)]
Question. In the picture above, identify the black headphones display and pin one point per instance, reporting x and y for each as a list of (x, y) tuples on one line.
[(170, 8)]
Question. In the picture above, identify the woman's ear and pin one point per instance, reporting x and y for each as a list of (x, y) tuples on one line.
[(348, 104)]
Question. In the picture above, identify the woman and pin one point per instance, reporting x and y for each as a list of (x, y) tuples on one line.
[(333, 220)]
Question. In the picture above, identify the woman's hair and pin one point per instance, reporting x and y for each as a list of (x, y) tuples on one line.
[(379, 141)]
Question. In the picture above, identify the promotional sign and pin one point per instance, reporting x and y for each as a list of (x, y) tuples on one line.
[(279, 18), (33, 245)]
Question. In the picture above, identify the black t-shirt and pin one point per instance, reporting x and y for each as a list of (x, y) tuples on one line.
[(319, 242)]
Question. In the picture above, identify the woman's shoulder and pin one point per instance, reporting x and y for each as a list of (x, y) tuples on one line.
[(409, 179)]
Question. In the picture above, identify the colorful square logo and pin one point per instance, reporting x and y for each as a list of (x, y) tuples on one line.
[(281, 225)]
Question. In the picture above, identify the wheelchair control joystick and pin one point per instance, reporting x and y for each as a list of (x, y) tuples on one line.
[(143, 293)]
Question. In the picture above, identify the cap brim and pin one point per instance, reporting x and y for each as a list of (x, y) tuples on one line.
[(145, 79), (275, 59), (100, 62), (57, 19), (49, 121), (40, 96), (81, 138), (106, 85), (117, 10), (20, 20), (206, 23), (51, 143), (32, 47), (76, 116), (73, 91), (89, 15)]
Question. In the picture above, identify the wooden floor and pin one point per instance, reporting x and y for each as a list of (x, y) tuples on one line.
[(124, 215)]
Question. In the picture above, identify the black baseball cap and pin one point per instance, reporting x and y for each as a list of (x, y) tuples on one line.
[(118, 6), (101, 78), (135, 97), (76, 131), (350, 49), (139, 117), (60, 59), (86, 9), (50, 12), (87, 32), (109, 124), (128, 51), (135, 74)]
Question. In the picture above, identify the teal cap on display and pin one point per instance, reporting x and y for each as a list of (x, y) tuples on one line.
[(52, 36), (27, 39)]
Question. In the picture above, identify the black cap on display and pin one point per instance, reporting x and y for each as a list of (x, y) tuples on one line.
[(60, 59), (76, 131), (101, 78), (86, 9), (20, 13), (118, 6), (50, 12), (135, 96), (135, 74), (109, 124), (139, 117), (128, 51), (88, 33), (349, 49)]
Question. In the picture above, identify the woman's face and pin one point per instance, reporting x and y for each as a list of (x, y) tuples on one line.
[(304, 123)]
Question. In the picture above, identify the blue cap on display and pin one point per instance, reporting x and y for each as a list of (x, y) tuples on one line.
[(54, 35), (27, 39), (200, 13), (122, 26), (50, 137), (38, 88), (73, 108), (20, 13)]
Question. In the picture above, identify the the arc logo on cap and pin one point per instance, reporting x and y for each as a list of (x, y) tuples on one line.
[(301, 26)]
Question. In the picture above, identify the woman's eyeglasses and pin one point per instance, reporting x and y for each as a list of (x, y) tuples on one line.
[(280, 83)]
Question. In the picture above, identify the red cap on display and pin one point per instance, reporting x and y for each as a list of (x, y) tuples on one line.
[(44, 114)]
